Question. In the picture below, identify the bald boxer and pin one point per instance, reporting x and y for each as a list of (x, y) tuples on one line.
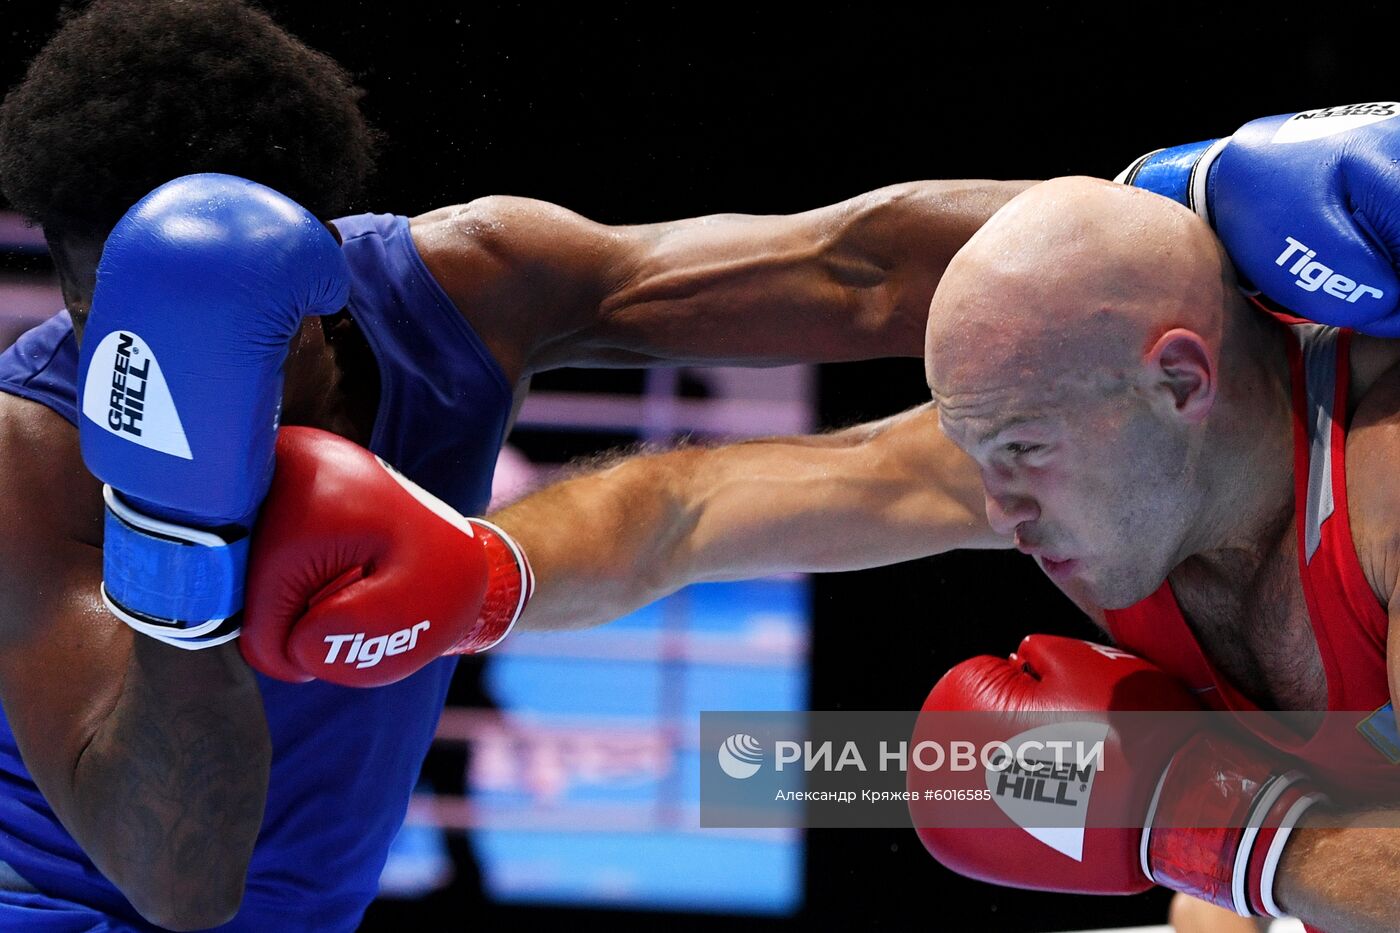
[(1183, 466), (145, 783), (154, 784)]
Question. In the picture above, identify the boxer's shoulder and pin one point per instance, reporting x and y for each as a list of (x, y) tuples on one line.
[(41, 466), (483, 248), (1372, 450), (1371, 359), (521, 271)]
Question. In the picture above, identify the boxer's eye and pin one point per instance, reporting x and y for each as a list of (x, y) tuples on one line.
[(1019, 449)]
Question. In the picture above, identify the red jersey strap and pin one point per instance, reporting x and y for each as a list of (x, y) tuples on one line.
[(1156, 630), (1348, 621)]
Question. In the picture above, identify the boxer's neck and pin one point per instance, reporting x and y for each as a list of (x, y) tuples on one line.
[(311, 381), (332, 379), (1247, 457), (75, 262)]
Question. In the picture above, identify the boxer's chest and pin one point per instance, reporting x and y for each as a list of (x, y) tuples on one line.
[(1255, 629)]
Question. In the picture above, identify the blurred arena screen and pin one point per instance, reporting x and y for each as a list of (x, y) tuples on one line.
[(598, 747)]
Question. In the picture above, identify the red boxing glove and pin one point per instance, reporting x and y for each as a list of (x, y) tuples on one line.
[(1198, 812), (359, 577)]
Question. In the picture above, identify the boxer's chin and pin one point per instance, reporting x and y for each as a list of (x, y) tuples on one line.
[(1115, 589)]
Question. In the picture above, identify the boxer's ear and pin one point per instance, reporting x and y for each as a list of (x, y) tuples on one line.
[(75, 260), (1182, 372)]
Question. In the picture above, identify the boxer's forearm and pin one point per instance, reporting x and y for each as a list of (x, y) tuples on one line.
[(546, 288), (606, 543), (849, 281), (1341, 872), (167, 797), (601, 544), (155, 759), (1191, 915)]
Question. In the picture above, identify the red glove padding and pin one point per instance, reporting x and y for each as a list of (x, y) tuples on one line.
[(1195, 792), (359, 577)]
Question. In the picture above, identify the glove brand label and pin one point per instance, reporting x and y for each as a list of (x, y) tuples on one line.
[(367, 652), (1110, 652), (1042, 782), (128, 389), (126, 394), (1028, 796), (1316, 124), (1301, 261)]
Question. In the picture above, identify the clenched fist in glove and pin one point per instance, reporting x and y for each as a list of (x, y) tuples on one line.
[(1176, 803), (1307, 205), (359, 577)]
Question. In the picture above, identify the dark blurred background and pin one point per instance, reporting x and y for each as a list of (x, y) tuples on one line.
[(643, 112)]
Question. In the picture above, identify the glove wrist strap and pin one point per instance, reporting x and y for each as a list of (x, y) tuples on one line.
[(1182, 173), (1218, 824), (167, 580), (508, 590)]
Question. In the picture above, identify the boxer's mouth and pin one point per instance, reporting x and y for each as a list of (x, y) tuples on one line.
[(1058, 569)]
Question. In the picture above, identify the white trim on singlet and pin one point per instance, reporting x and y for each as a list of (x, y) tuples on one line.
[(1318, 344)]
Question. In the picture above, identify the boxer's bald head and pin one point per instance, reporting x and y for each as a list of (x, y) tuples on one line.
[(1072, 281), (1073, 348)]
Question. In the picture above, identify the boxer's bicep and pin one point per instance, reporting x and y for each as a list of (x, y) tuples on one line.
[(61, 653), (1373, 503), (140, 767), (62, 658)]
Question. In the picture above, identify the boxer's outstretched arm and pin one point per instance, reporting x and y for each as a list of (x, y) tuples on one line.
[(1341, 871), (604, 543), (155, 759), (546, 288)]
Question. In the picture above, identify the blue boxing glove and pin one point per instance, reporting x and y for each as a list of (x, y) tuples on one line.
[(201, 287), (1307, 205)]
